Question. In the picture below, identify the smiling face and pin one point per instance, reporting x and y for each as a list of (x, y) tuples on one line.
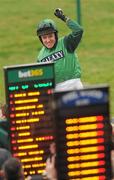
[(48, 40)]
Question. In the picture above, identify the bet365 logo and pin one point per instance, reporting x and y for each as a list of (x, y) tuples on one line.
[(30, 73)]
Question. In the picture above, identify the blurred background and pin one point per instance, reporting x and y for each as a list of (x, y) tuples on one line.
[(19, 43)]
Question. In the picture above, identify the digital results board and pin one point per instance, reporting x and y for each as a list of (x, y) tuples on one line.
[(28, 95), (83, 134)]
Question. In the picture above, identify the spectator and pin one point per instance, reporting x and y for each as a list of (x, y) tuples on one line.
[(50, 170), (13, 170), (4, 156), (3, 111)]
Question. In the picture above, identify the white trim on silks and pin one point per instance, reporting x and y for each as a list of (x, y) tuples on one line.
[(71, 84)]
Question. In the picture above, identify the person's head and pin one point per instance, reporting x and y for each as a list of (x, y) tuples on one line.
[(13, 170), (4, 156), (52, 148), (47, 33)]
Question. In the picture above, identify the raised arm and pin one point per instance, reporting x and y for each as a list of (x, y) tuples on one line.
[(71, 40)]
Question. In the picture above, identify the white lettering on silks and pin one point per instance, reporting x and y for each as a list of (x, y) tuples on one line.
[(53, 57)]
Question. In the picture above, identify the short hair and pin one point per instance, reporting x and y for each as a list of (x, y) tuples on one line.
[(4, 156), (13, 169)]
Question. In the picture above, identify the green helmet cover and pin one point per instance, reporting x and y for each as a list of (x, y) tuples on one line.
[(46, 26)]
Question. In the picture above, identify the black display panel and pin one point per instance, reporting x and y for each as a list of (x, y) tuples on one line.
[(28, 95), (83, 134)]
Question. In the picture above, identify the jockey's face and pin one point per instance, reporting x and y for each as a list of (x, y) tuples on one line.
[(48, 40)]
